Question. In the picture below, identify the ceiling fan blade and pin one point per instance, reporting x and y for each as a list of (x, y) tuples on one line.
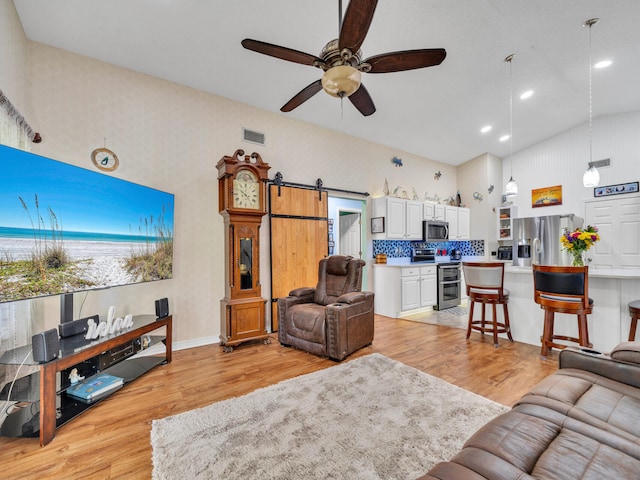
[(362, 101), (355, 25), (302, 96), (406, 60), (277, 51)]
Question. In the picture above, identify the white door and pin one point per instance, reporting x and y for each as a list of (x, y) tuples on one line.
[(349, 242), (618, 222)]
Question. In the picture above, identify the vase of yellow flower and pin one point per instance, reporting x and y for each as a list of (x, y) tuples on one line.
[(578, 242)]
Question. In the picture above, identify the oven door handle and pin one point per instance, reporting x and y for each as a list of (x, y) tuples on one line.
[(450, 282)]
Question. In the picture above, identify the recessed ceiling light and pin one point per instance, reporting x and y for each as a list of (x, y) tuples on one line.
[(486, 128), (603, 64), (504, 138), (526, 94)]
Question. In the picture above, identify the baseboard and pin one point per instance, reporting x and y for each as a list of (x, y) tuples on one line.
[(195, 342)]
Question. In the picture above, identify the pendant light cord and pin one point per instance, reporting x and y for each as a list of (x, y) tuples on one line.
[(511, 57), (590, 23)]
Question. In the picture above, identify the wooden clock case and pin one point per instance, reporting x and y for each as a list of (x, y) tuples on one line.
[(242, 310)]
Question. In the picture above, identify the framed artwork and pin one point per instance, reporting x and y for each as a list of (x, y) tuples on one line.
[(546, 197), (377, 225), (616, 189)]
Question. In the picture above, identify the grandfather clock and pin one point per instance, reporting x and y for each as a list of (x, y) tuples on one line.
[(242, 203)]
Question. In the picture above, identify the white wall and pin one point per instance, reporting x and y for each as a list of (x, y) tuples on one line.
[(13, 59), (483, 175), (561, 160)]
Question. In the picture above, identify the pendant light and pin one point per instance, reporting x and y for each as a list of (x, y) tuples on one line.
[(511, 189), (591, 177)]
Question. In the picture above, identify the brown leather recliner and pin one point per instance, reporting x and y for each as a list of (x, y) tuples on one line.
[(335, 318)]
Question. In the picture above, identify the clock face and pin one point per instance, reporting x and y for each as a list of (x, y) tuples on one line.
[(104, 159), (246, 190)]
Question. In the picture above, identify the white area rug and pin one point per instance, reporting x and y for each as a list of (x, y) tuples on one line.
[(369, 418)]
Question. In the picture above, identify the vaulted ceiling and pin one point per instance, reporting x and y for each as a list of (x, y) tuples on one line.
[(435, 112)]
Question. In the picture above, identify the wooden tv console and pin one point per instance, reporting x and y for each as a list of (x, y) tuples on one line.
[(56, 407)]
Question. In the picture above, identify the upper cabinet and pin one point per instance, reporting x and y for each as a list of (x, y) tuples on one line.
[(459, 219), (402, 218), (434, 211), (505, 222)]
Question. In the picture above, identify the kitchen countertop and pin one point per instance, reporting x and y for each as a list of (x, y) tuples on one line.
[(406, 261), (601, 272)]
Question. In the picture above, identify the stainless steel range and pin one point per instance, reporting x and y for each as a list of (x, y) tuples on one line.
[(449, 285)]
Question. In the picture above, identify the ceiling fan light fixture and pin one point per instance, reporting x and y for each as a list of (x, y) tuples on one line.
[(341, 81)]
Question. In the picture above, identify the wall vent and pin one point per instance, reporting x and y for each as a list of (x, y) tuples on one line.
[(252, 137), (601, 163)]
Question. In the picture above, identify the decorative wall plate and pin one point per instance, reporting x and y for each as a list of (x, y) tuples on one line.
[(105, 159)]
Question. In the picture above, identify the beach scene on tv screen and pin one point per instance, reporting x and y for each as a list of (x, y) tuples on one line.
[(65, 229)]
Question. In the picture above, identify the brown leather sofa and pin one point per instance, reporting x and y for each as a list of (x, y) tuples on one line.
[(335, 318), (582, 422)]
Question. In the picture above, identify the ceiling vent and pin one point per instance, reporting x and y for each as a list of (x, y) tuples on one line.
[(252, 137), (601, 163)]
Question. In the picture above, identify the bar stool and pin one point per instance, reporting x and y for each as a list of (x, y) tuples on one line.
[(634, 311), (485, 285), (562, 289)]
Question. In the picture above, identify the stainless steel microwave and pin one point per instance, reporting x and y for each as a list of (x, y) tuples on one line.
[(435, 231)]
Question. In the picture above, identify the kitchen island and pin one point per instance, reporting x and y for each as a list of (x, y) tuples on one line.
[(610, 289)]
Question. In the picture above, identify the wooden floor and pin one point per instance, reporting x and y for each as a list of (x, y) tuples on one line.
[(111, 440)]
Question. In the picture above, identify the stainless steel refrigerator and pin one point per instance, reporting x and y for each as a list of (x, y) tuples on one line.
[(537, 239)]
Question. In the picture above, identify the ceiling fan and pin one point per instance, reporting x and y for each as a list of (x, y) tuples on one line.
[(341, 62)]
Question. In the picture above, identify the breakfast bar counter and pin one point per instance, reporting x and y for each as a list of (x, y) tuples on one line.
[(610, 289)]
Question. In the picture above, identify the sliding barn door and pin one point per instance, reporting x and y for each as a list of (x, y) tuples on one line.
[(298, 240)]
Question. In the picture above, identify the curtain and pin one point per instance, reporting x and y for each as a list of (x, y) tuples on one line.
[(15, 317)]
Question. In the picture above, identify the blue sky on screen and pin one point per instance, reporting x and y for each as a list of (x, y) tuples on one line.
[(82, 200)]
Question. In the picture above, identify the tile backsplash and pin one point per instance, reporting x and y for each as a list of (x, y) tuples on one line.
[(404, 248)]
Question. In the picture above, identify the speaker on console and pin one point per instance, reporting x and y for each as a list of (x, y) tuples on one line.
[(45, 345), (162, 307), (69, 329)]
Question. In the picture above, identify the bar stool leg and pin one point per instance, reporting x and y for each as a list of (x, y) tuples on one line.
[(583, 331), (632, 330), (470, 317), (507, 324), (495, 326), (547, 332)]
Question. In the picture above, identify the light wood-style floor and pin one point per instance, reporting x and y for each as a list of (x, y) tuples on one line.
[(111, 440)]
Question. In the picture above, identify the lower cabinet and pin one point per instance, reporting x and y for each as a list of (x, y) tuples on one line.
[(402, 289)]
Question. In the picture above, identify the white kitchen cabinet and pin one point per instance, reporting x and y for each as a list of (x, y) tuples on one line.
[(433, 211), (459, 219), (410, 289), (402, 218), (414, 220), (401, 290), (428, 286), (464, 223), (505, 222)]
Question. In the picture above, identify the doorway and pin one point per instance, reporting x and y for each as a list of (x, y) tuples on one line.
[(349, 233)]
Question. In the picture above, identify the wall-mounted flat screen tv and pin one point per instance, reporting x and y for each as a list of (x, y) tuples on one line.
[(65, 229)]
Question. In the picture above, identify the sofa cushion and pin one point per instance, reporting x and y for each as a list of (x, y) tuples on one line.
[(307, 322), (627, 352), (534, 442), (590, 398)]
